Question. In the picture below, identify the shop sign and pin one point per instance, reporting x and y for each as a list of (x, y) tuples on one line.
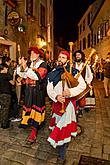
[(13, 18)]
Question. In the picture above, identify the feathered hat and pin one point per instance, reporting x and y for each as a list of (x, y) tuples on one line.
[(36, 50)]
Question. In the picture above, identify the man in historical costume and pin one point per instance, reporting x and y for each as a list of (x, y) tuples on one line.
[(79, 60), (63, 122), (34, 102)]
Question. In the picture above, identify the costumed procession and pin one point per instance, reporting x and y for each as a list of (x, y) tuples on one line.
[(54, 82), (66, 86)]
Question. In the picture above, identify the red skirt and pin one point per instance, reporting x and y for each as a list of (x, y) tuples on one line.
[(63, 126)]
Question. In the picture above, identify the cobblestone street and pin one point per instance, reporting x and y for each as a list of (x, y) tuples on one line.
[(94, 141)]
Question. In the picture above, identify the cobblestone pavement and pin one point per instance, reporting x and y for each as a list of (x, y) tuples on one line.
[(94, 141)]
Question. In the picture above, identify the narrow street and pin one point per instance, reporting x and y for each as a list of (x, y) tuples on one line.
[(94, 141)]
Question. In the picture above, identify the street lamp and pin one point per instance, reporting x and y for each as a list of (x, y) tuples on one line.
[(41, 42), (21, 27)]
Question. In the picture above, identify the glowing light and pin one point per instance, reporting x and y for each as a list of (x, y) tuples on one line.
[(18, 47), (41, 42), (2, 38)]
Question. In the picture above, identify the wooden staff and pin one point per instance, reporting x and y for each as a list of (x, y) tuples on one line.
[(63, 85), (19, 51), (71, 59)]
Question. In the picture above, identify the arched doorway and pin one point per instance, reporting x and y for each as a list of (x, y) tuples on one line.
[(8, 48)]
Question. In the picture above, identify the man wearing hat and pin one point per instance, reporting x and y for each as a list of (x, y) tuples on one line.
[(79, 60), (63, 124), (34, 103)]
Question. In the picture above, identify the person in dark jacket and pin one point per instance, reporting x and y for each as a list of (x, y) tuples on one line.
[(5, 95)]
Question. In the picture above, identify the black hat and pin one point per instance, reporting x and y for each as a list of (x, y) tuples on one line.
[(82, 54)]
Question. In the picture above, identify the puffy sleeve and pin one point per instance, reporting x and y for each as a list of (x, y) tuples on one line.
[(89, 75), (51, 92), (31, 74), (22, 74)]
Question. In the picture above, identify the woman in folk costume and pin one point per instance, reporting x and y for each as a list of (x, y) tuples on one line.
[(34, 103), (86, 74), (63, 125)]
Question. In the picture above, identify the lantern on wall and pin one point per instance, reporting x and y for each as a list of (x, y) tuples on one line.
[(21, 27)]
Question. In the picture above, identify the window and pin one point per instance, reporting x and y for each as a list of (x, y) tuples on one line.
[(80, 45), (98, 36), (29, 7), (42, 15), (89, 41), (84, 25), (101, 31), (80, 29), (88, 19), (106, 27), (84, 43), (94, 39)]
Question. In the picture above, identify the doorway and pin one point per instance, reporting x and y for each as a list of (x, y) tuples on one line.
[(8, 48)]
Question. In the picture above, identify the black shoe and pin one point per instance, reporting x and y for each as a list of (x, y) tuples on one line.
[(5, 126), (61, 161), (80, 114), (106, 96), (87, 109)]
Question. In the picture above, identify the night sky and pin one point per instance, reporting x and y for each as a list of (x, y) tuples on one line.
[(67, 14)]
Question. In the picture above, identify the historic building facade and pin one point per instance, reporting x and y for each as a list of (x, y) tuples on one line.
[(88, 28), (84, 31), (101, 30), (26, 23)]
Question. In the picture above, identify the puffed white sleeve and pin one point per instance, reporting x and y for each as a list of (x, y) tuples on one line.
[(51, 92), (21, 74), (79, 88), (32, 75)]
